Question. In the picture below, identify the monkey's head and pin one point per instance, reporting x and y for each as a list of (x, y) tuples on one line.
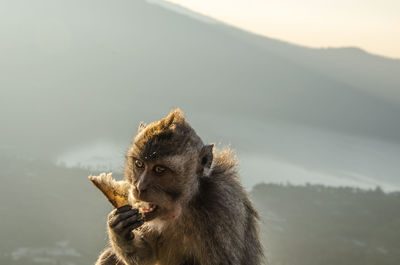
[(164, 163)]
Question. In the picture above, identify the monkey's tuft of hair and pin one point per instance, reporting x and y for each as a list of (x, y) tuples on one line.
[(166, 137), (226, 162), (196, 210)]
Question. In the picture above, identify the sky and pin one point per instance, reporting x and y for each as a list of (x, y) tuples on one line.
[(373, 25)]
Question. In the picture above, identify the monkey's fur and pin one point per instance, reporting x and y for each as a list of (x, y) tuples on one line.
[(203, 216)]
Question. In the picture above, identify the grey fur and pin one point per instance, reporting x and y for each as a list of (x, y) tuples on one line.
[(215, 223)]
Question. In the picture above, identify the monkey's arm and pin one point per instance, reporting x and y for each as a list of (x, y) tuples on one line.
[(127, 244)]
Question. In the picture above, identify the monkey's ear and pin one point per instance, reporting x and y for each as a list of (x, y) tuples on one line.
[(206, 158), (142, 125)]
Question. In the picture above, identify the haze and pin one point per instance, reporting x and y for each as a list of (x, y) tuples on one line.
[(77, 77)]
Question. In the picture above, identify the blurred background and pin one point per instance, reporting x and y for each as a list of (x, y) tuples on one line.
[(307, 93)]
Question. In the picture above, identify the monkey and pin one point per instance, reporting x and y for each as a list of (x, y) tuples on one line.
[(195, 210)]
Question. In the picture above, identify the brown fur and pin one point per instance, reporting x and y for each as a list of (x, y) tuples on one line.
[(206, 217)]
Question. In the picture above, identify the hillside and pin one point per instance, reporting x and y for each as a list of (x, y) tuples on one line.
[(315, 224), (71, 68), (369, 73), (54, 215)]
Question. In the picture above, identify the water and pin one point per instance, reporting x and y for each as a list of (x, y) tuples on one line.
[(290, 153)]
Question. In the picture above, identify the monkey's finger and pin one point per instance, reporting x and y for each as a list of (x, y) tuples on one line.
[(119, 210), (116, 213), (117, 218), (123, 208), (121, 227), (134, 226), (129, 221)]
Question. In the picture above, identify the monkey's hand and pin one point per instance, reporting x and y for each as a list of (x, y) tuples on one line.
[(121, 222)]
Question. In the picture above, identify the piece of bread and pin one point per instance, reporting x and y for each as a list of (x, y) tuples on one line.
[(116, 191)]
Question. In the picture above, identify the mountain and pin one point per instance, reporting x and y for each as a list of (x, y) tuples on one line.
[(351, 65), (76, 70), (377, 75)]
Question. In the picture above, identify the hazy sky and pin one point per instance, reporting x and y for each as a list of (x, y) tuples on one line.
[(373, 25)]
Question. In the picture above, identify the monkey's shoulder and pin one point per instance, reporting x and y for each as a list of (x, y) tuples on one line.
[(221, 201)]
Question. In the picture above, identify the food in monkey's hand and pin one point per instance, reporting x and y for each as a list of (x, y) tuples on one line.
[(116, 191)]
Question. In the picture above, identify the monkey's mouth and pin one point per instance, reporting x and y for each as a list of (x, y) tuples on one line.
[(148, 208)]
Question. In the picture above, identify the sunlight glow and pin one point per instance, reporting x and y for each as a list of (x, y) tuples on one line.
[(372, 25)]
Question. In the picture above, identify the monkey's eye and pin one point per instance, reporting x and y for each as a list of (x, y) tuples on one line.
[(139, 164), (159, 169)]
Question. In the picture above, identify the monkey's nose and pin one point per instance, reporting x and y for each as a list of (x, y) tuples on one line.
[(140, 190)]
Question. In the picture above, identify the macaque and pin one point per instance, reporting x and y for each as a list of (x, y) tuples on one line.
[(185, 204)]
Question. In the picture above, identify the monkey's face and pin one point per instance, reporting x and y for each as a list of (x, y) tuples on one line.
[(163, 164), (161, 185)]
